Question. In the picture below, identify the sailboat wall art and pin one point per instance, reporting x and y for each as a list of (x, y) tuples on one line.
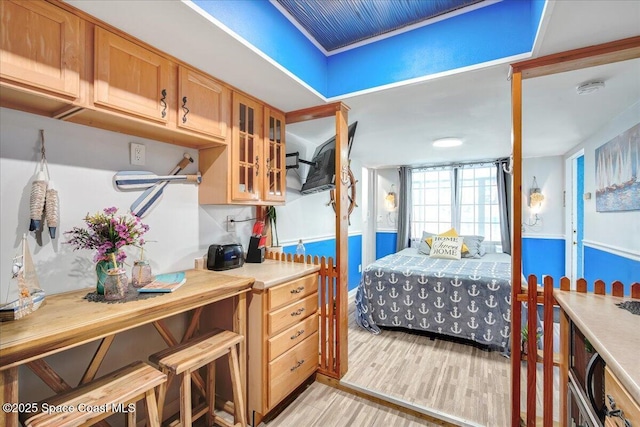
[(618, 173)]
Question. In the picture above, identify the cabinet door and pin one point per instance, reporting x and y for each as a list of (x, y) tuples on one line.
[(40, 46), (203, 104), (246, 143), (274, 153), (130, 78)]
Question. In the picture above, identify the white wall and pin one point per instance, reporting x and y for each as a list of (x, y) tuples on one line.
[(617, 231), (549, 173), (82, 162)]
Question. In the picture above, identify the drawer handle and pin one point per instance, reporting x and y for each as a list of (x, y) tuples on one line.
[(297, 334), (163, 103), (297, 290), (298, 312), (300, 363)]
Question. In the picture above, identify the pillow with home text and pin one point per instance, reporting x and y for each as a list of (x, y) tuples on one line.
[(446, 247)]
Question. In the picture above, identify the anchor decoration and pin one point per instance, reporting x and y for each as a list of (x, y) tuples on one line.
[(439, 274), (424, 323), (409, 325), (423, 309), (407, 286), (439, 318), (365, 309), (423, 294), (490, 320), (368, 269), (455, 329), (474, 276), (422, 280), (507, 299), (507, 315), (379, 286), (473, 291), (439, 330), (438, 303), (487, 336), (472, 323), (394, 307), (493, 286), (393, 293), (438, 288), (455, 313), (395, 321), (379, 273), (491, 303), (409, 316), (407, 273), (456, 282), (473, 308), (408, 301), (505, 333), (369, 294), (367, 280), (393, 279), (473, 336), (382, 315), (380, 301), (455, 297)]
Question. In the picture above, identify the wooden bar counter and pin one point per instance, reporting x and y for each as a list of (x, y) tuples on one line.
[(68, 320)]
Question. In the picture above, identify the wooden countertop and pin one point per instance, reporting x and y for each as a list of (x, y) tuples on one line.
[(67, 320), (271, 273), (613, 332)]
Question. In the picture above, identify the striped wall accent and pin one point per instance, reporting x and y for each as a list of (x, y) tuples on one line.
[(327, 248)]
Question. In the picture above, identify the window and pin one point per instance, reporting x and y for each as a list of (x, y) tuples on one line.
[(471, 206)]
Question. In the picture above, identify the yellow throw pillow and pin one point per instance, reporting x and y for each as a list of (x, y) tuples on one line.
[(448, 233)]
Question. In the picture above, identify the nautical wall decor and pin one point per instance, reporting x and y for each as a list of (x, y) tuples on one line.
[(618, 173)]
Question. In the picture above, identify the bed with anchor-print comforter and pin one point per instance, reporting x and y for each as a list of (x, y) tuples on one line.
[(468, 298)]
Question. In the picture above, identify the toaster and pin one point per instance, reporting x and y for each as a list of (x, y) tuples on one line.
[(225, 257)]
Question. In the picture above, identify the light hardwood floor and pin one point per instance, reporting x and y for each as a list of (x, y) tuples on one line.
[(464, 384)]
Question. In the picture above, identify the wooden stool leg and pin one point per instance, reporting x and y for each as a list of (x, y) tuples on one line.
[(185, 399), (162, 392), (236, 384), (153, 417), (211, 392), (131, 419)]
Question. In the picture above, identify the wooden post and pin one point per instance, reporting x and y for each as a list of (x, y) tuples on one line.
[(516, 245)]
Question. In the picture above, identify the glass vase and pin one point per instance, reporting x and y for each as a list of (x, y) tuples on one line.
[(102, 268), (141, 273), (116, 284)]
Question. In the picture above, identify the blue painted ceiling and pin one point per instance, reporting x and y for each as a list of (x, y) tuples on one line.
[(336, 24)]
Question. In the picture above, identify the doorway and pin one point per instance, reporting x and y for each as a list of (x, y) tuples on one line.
[(574, 196)]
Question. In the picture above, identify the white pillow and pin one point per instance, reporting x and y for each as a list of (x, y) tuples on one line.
[(423, 247), (446, 247)]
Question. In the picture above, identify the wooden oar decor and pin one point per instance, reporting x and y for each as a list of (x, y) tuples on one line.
[(152, 195), (141, 180)]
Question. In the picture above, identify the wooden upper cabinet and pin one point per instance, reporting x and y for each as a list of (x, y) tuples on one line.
[(40, 47), (130, 78), (246, 149), (203, 104), (275, 172)]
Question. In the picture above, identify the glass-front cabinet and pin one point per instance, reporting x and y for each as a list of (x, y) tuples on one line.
[(274, 153), (246, 149)]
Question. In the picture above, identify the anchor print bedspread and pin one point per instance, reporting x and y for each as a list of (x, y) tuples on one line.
[(467, 298)]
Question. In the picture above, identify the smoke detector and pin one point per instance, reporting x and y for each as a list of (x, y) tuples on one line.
[(589, 87)]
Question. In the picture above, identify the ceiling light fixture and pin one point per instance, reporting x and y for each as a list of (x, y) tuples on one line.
[(589, 87), (447, 142)]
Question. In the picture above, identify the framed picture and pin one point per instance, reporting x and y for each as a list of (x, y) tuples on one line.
[(618, 173)]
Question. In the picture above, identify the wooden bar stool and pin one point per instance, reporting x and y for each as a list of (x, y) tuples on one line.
[(100, 398), (186, 358)]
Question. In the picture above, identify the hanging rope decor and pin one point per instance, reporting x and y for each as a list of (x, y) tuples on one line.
[(44, 203)]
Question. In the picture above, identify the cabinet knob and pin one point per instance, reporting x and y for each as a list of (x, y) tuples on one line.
[(298, 312)]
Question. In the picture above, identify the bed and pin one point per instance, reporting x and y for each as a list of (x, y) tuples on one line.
[(468, 298)]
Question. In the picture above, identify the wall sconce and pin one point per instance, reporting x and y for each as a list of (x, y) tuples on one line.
[(390, 200), (535, 197)]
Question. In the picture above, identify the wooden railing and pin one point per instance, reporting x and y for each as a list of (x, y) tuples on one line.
[(535, 295), (329, 302)]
